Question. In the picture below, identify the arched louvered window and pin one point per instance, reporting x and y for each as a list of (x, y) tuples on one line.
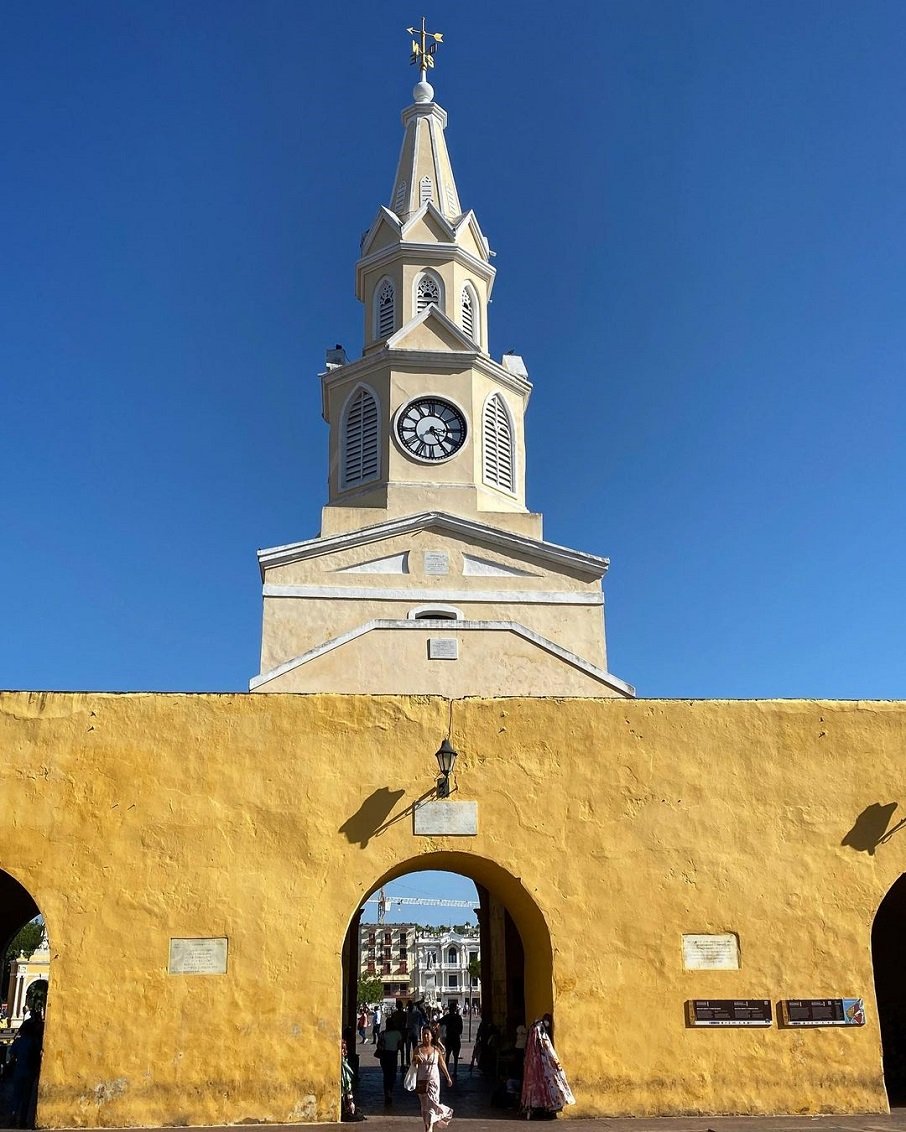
[(427, 291), (360, 458), (497, 444), (425, 190), (384, 310), (469, 312)]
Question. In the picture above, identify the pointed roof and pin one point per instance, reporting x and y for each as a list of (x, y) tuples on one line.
[(424, 171)]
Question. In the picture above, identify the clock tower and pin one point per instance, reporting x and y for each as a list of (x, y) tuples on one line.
[(429, 575)]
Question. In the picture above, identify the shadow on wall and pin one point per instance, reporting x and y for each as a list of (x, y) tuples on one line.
[(370, 818), (870, 828)]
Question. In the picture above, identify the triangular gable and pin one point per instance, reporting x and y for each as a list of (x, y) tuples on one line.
[(468, 235), (505, 542), (384, 231), (431, 220), (431, 330)]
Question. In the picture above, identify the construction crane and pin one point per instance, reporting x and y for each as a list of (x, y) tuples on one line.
[(384, 901)]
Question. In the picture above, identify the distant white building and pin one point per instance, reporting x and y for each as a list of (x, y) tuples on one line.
[(440, 969)]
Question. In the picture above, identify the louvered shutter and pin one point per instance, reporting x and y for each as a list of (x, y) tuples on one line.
[(360, 440), (468, 313), (386, 310), (497, 445)]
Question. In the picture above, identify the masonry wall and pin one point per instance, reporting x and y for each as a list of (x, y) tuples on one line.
[(614, 826)]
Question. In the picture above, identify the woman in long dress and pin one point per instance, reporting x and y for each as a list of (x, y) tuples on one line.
[(545, 1089), (429, 1063)]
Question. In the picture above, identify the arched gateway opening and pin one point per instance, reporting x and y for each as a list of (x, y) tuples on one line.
[(888, 935), (516, 967), (23, 990)]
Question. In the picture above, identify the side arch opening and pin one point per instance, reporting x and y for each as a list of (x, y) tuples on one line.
[(24, 979), (887, 936)]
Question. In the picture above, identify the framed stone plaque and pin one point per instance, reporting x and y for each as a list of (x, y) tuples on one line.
[(718, 952), (198, 956), (437, 562), (443, 648), (452, 819)]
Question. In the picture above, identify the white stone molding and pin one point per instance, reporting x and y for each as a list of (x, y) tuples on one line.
[(368, 593), (420, 611), (475, 567), (589, 565), (570, 658), (392, 564)]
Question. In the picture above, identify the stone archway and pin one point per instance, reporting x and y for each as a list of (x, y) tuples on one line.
[(517, 956), (888, 933)]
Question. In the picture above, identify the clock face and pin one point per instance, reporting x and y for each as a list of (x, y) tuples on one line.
[(431, 429)]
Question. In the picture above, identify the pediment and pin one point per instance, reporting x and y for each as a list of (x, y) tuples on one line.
[(470, 237), (501, 548), (428, 225), (431, 330), (383, 232)]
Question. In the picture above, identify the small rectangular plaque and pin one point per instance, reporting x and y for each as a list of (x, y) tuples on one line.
[(729, 1012), (198, 956), (437, 562), (453, 819), (822, 1012), (719, 952), (443, 648)]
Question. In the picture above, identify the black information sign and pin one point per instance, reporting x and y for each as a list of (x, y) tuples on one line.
[(729, 1012), (822, 1012)]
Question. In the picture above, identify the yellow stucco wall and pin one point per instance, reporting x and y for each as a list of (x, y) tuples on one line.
[(613, 825)]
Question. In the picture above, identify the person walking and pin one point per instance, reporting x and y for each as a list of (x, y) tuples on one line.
[(415, 1020), (429, 1064), (387, 1052), (360, 1024), (451, 1028), (375, 1024), (545, 1089)]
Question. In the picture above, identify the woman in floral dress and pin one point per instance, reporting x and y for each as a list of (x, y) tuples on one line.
[(545, 1089), (429, 1063)]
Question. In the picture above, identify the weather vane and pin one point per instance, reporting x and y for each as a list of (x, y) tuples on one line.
[(422, 50)]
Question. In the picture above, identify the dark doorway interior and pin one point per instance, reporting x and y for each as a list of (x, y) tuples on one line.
[(888, 936), (20, 1056)]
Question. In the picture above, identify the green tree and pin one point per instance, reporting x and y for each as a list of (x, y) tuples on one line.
[(370, 990), (26, 939), (474, 968)]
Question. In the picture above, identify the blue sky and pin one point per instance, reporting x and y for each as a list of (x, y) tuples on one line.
[(698, 212)]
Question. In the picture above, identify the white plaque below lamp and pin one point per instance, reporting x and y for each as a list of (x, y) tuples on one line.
[(449, 819)]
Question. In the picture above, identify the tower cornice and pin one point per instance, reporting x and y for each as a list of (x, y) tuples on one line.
[(437, 361), (422, 254)]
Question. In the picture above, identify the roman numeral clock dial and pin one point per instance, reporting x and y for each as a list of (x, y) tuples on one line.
[(431, 429)]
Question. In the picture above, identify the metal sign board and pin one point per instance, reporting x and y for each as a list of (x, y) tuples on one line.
[(822, 1012), (729, 1012)]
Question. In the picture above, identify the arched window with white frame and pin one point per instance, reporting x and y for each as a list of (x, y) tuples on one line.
[(360, 459), (498, 454), (384, 309), (470, 314), (428, 292)]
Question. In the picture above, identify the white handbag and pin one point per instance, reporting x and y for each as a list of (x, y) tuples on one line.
[(410, 1078)]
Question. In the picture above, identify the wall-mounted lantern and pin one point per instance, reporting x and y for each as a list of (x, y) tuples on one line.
[(446, 755)]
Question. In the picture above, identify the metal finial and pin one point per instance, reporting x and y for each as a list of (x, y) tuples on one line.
[(422, 50)]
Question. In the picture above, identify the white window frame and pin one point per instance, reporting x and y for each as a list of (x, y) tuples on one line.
[(513, 452), (360, 387), (420, 612), (469, 290), (435, 278), (376, 304)]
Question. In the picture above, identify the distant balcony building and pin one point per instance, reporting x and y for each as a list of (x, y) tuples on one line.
[(440, 974), (385, 953)]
